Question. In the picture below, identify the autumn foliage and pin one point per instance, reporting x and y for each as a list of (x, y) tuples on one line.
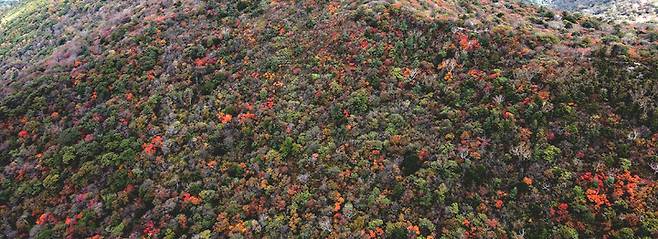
[(325, 119)]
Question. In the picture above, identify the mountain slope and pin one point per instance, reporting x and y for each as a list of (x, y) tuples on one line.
[(325, 119)]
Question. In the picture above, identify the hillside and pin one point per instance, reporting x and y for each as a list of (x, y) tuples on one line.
[(325, 119)]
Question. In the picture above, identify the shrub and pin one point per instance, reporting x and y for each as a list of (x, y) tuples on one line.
[(149, 58), (68, 155), (359, 101), (69, 136), (51, 182), (411, 163), (549, 153), (547, 38), (565, 232), (195, 52), (591, 23)]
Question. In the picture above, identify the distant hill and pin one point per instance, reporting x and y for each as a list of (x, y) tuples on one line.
[(617, 10), (6, 3)]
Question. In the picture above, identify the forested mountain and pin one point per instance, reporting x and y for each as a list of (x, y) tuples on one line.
[(325, 119)]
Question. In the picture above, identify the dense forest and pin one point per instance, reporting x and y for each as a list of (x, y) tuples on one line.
[(325, 119)]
